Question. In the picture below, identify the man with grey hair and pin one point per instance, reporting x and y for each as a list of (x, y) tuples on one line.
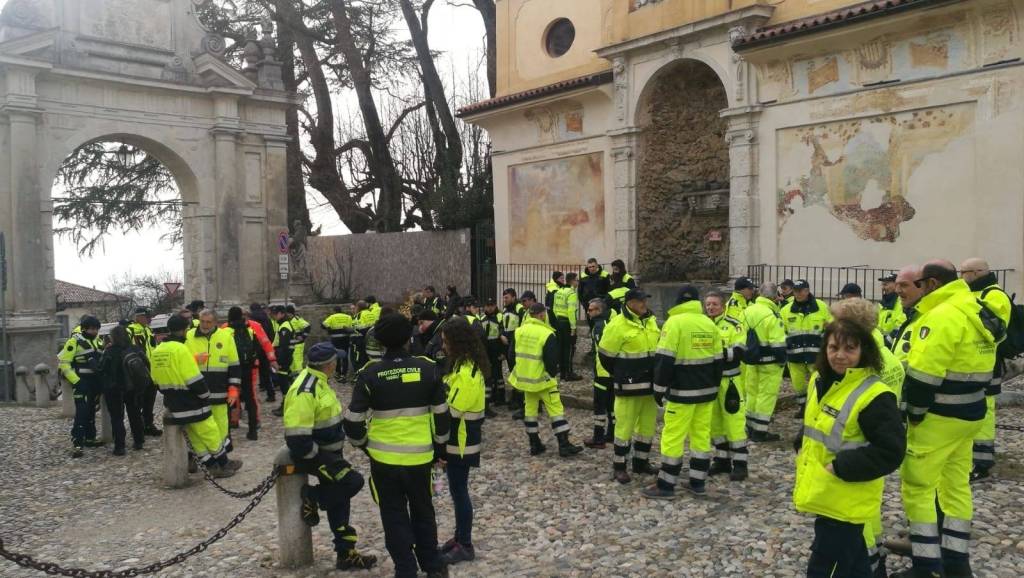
[(765, 361)]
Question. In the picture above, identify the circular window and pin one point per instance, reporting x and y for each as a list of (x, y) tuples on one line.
[(559, 38)]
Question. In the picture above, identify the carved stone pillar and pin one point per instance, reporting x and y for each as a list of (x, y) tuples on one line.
[(744, 216), (624, 150)]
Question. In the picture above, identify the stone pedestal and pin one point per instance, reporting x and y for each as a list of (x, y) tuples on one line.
[(67, 400), (175, 457), (295, 539), (33, 339)]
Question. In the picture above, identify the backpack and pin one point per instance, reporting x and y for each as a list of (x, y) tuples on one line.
[(136, 371), (245, 345), (1013, 345)]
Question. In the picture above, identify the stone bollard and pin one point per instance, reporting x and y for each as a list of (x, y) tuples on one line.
[(67, 399), (42, 372), (106, 425), (175, 456), (21, 391), (295, 538)]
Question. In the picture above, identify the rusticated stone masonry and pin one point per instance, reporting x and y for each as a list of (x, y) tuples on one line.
[(683, 197)]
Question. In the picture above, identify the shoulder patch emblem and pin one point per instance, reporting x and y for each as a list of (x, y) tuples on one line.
[(220, 346), (71, 348), (925, 331), (906, 347)]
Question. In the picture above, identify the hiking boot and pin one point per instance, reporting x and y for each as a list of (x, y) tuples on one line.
[(536, 447), (76, 451), (152, 431), (565, 447), (573, 377), (764, 437), (310, 509), (252, 435), (442, 573), (94, 443), (138, 446), (233, 465), (739, 472), (459, 553), (119, 451), (720, 466), (622, 477), (697, 490), (353, 560), (915, 573), (979, 474), (656, 492), (958, 569), (219, 471), (596, 443), (447, 546), (644, 467)]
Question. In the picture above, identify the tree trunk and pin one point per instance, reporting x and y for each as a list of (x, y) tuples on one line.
[(295, 186), (389, 202), (489, 14)]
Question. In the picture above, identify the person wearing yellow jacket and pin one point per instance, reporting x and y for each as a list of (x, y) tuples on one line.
[(554, 284), (566, 306), (728, 415), (985, 286), (217, 356), (604, 390), (687, 379), (627, 349), (741, 298), (187, 399), (79, 364), (804, 318), (891, 314), (952, 353), (467, 365), (765, 358), (535, 351), (851, 438), (339, 325)]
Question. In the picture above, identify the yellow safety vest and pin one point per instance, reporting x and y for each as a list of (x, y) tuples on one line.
[(529, 373), (177, 374)]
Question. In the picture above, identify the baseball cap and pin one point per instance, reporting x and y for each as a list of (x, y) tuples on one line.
[(687, 293), (851, 289), (321, 353), (635, 294), (801, 284), (890, 278), (787, 283), (743, 283)]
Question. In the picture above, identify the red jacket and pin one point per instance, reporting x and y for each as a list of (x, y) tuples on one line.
[(261, 338)]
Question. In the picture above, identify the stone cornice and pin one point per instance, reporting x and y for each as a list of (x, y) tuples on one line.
[(750, 18)]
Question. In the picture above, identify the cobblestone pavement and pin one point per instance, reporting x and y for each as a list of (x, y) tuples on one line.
[(538, 517)]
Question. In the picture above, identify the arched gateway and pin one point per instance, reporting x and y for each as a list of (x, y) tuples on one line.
[(147, 73)]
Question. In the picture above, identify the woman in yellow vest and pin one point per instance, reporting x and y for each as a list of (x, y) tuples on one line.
[(467, 368), (852, 437)]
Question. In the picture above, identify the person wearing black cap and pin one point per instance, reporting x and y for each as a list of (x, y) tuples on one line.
[(786, 292), (742, 296), (890, 313), (406, 398), (142, 337), (80, 366), (187, 400), (426, 339), (626, 350), (315, 439), (554, 285), (805, 319), (687, 377), (849, 291)]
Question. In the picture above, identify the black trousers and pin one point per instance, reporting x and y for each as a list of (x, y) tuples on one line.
[(604, 406), (120, 403), (565, 343), (838, 550), (87, 397), (248, 395), (335, 498), (407, 514), (266, 378), (148, 395)]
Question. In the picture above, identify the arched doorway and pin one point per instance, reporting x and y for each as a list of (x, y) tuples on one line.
[(118, 231), (683, 176)]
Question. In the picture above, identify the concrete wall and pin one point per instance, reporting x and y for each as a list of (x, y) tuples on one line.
[(389, 266)]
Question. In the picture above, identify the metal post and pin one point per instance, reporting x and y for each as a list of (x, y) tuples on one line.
[(6, 375)]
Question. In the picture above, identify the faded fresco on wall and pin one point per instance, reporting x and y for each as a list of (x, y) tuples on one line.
[(557, 210), (860, 170)]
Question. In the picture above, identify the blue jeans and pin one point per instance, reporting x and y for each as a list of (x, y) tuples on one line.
[(458, 486)]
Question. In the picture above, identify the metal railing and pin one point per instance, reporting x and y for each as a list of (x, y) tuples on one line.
[(826, 282), (529, 277)]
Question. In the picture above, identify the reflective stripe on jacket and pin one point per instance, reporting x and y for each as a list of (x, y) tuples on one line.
[(176, 373), (689, 356), (627, 348), (312, 416)]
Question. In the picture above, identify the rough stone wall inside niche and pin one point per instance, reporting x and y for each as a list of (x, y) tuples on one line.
[(683, 151)]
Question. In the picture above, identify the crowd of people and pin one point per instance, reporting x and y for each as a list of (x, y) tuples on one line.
[(907, 384)]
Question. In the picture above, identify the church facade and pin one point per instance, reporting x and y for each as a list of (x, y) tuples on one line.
[(694, 139)]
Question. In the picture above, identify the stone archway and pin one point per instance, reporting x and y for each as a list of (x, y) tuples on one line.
[(147, 73), (683, 176)]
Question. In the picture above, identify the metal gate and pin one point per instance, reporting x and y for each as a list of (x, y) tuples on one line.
[(484, 269)]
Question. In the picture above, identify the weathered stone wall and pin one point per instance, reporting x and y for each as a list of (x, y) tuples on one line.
[(682, 216), (389, 266)]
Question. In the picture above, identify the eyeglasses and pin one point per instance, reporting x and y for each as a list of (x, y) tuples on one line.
[(970, 271), (918, 283)]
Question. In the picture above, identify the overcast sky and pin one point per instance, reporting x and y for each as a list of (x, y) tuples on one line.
[(455, 31)]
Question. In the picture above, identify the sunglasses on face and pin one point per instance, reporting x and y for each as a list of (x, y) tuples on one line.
[(920, 282)]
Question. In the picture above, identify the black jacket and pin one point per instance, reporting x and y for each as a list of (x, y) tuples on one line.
[(593, 286), (112, 368), (882, 425)]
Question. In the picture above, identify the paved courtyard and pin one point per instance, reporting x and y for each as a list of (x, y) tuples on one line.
[(534, 516)]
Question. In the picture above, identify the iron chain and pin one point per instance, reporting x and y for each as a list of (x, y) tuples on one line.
[(1019, 428), (27, 561), (212, 480)]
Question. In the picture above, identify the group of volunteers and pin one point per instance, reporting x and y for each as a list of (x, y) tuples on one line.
[(907, 385)]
